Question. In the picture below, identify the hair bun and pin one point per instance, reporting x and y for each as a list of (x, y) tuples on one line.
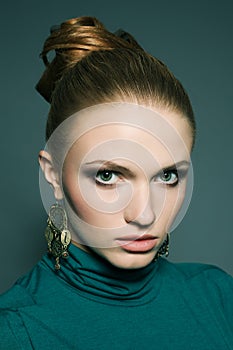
[(73, 40), (127, 37)]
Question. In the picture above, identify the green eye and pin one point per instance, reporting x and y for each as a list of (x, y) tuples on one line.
[(169, 177), (106, 177)]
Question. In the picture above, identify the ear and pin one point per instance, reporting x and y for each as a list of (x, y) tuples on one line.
[(50, 173)]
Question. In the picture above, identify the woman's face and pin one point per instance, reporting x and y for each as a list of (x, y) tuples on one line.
[(124, 179)]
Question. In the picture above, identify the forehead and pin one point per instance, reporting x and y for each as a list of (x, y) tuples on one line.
[(126, 130)]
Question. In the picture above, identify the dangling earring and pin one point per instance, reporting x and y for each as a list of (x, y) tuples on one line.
[(57, 234), (164, 249)]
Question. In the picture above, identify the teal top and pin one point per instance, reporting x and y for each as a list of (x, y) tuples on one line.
[(91, 305)]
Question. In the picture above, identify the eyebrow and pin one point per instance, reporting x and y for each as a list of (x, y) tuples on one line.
[(117, 167), (177, 165), (113, 166)]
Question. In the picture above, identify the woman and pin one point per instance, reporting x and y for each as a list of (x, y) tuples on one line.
[(120, 132)]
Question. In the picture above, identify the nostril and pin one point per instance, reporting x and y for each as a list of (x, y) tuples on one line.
[(144, 218)]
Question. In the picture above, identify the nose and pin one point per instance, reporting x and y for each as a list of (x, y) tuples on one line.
[(140, 210)]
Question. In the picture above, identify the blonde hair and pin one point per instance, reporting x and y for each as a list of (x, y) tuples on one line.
[(92, 65)]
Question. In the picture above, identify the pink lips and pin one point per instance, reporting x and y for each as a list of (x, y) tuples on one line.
[(138, 244)]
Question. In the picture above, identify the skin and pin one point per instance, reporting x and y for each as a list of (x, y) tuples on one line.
[(113, 184)]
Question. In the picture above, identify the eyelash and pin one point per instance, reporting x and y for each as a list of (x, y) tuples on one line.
[(104, 183), (117, 174), (170, 172)]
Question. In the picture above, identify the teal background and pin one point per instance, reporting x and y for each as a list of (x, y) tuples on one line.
[(194, 38)]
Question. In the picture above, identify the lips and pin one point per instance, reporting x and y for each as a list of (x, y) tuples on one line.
[(137, 244)]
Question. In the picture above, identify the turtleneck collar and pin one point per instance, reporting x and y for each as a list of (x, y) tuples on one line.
[(95, 278)]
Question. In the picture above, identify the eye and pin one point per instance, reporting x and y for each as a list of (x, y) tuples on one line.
[(169, 177), (106, 177)]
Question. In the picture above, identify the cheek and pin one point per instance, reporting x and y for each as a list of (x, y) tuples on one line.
[(175, 203), (170, 204), (106, 195), (72, 193), (83, 206)]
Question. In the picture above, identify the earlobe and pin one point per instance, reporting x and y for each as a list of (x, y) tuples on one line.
[(51, 175)]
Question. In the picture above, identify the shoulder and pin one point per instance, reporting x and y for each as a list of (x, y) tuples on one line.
[(205, 281), (16, 297), (30, 289), (21, 293), (25, 295), (11, 302), (8, 337), (196, 272)]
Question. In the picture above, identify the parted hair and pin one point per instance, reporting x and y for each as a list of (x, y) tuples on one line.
[(92, 65)]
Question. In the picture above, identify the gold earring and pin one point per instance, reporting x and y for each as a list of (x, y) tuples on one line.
[(164, 249), (57, 234)]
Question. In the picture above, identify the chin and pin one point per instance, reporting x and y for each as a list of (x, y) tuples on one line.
[(126, 260)]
